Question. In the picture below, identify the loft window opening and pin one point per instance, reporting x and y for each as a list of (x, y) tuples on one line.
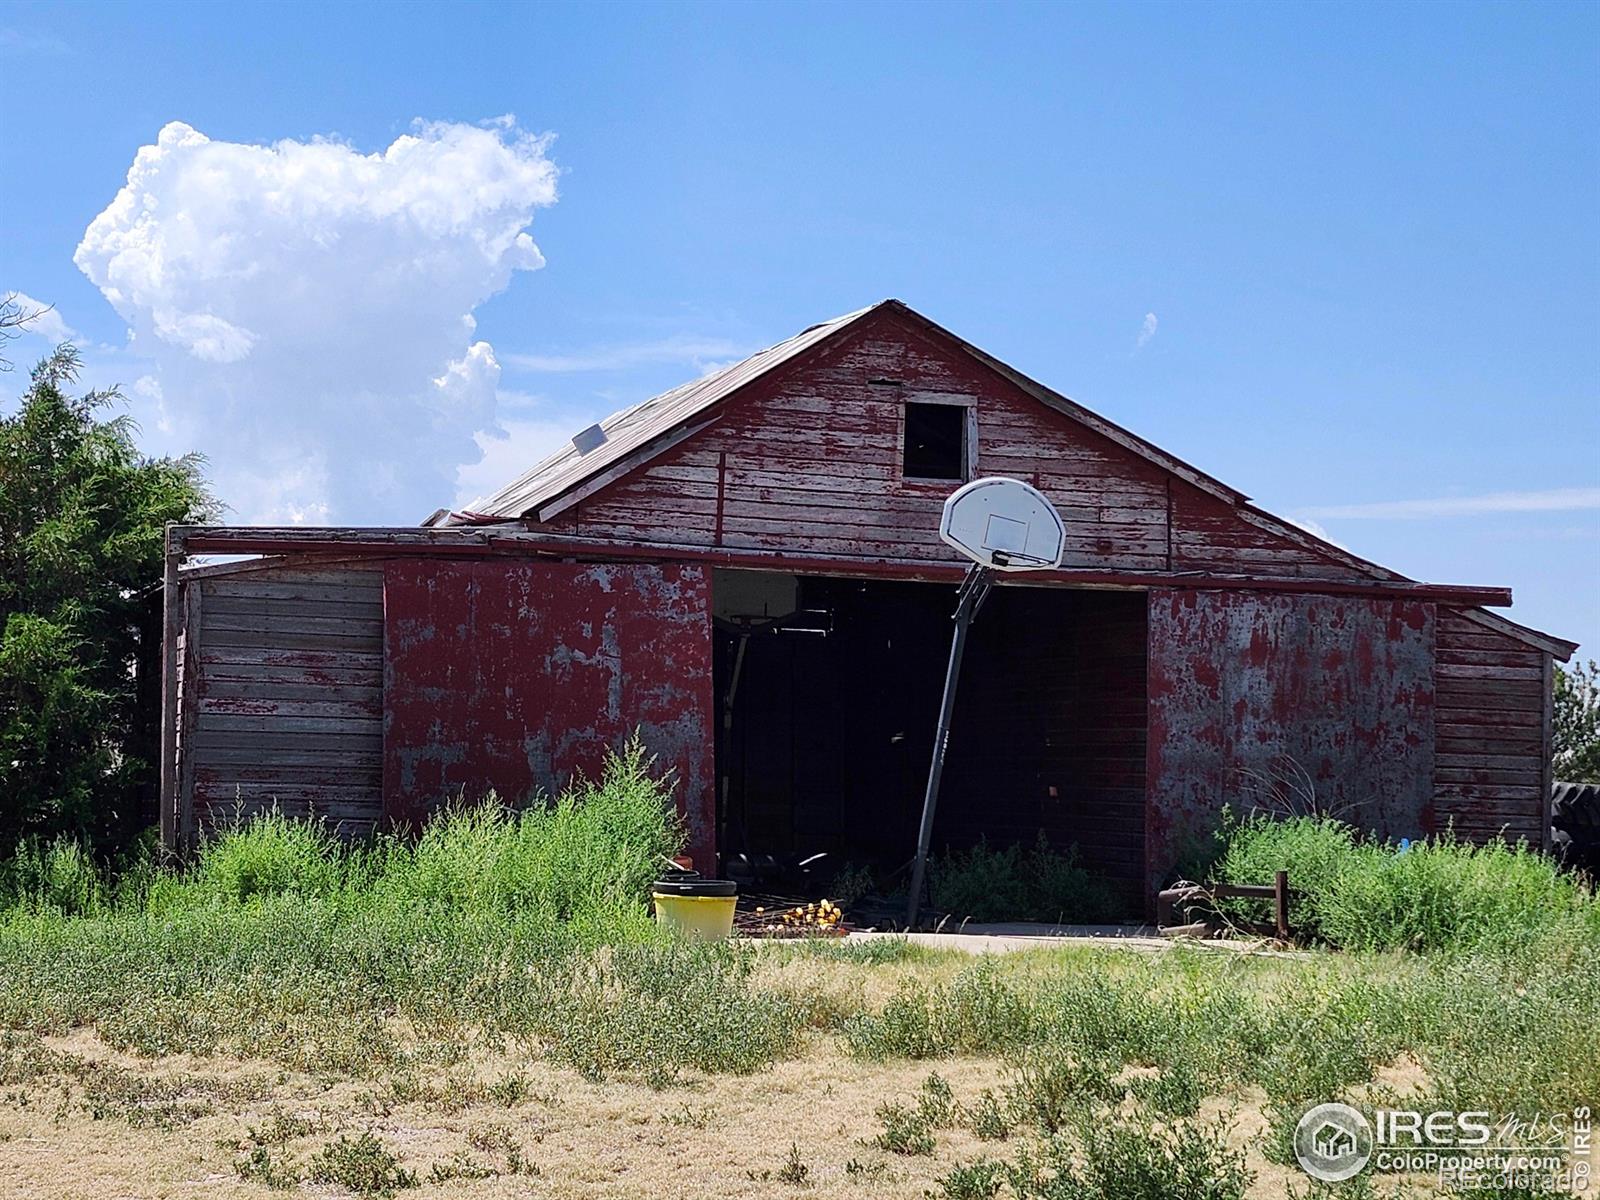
[(935, 442)]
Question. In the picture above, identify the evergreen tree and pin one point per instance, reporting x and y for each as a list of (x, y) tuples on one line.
[(82, 526)]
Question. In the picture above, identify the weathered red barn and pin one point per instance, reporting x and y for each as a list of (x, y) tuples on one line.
[(747, 570)]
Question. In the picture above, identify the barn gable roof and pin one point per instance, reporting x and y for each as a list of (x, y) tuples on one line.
[(635, 435), (639, 432)]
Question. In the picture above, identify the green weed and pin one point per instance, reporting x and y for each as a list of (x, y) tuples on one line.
[(1016, 883), (978, 1180), (905, 1130), (364, 1165)]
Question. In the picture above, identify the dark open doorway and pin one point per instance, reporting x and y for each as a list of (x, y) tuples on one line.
[(827, 744)]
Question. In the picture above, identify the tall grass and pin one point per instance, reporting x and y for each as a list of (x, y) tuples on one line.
[(53, 877), (582, 861), (1438, 894), (281, 940), (528, 930)]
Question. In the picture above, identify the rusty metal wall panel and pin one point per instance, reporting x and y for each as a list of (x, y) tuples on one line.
[(514, 676), (1240, 681)]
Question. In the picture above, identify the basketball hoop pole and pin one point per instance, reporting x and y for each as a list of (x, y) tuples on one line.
[(974, 591)]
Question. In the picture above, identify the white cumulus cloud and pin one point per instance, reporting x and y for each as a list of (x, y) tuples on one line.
[(307, 308), (508, 453)]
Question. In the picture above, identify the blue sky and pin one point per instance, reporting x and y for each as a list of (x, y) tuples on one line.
[(1345, 258)]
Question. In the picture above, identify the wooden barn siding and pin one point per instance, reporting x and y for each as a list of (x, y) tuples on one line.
[(519, 676), (282, 696), (1244, 682), (808, 462), (1491, 777)]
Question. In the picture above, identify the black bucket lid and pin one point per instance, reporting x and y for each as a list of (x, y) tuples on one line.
[(689, 883)]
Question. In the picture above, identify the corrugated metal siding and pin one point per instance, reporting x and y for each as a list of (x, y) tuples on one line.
[(286, 700), (1493, 745)]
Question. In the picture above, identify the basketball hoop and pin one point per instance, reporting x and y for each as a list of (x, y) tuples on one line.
[(1001, 525)]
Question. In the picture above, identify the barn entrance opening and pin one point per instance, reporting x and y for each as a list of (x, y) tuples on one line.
[(827, 695)]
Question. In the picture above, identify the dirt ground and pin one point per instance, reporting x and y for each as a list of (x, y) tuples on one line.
[(549, 1133)]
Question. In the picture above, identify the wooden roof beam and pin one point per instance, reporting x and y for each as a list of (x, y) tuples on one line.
[(511, 539)]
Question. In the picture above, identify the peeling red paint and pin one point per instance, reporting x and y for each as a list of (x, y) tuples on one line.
[(517, 677), (1243, 681)]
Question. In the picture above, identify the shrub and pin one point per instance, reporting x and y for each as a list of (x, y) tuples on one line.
[(1314, 850), (577, 858), (364, 1165), (905, 1130), (987, 1118), (977, 1012), (1129, 1157), (268, 855), (1431, 895), (1016, 884), (655, 1011), (1443, 893), (59, 878), (971, 1181)]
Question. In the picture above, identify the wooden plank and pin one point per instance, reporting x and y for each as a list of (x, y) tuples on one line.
[(227, 679), (290, 725), (236, 810), (266, 566), (299, 623), (1558, 647), (272, 656), (282, 641), (277, 687), (1466, 790), (265, 742), (1522, 744), (364, 795), (213, 706), (1483, 774), (1479, 692), (1474, 671), (359, 587), (171, 627), (342, 604), (193, 687), (292, 775), (1546, 757), (358, 751)]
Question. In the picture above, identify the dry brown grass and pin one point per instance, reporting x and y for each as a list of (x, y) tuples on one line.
[(552, 1134), (719, 1136)]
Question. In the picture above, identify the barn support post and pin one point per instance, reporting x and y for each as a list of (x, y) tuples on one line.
[(1547, 779), (188, 713), (171, 624), (974, 591)]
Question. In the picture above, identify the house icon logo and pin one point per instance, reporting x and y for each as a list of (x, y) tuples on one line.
[(1332, 1142)]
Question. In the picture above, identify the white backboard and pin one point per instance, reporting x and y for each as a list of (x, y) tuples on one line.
[(1004, 524)]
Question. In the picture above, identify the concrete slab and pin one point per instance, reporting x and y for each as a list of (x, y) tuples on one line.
[(1009, 937)]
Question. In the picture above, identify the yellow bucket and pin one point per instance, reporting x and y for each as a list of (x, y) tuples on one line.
[(698, 909)]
